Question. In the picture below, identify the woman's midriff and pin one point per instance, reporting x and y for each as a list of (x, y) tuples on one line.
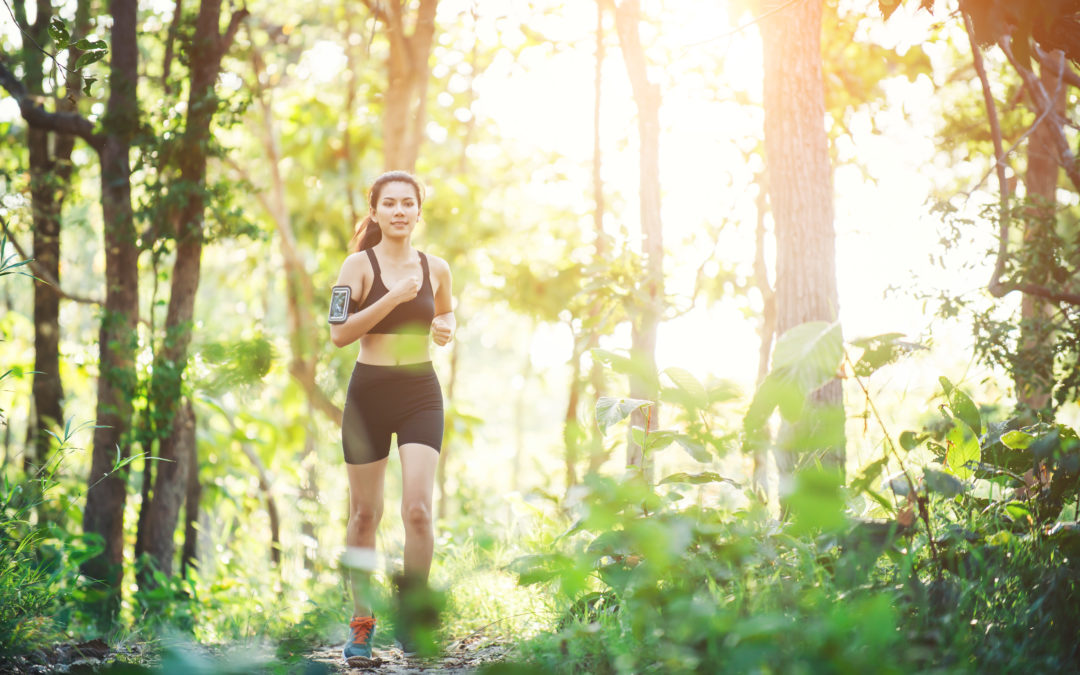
[(392, 349)]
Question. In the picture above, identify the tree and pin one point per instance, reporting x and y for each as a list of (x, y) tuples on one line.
[(50, 178), (174, 416), (800, 189), (643, 384), (407, 73)]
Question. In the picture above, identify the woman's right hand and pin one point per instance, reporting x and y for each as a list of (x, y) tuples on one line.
[(405, 290)]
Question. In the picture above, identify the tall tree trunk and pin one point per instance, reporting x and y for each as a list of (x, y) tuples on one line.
[(768, 319), (643, 335), (800, 184), (189, 556), (407, 71), (174, 415), (573, 430), (1034, 379), (596, 374), (50, 175), (104, 512)]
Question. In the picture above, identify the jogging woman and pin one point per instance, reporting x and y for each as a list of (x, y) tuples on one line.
[(399, 301)]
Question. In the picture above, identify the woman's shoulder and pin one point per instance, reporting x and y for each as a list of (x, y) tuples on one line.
[(359, 260), (437, 264), (356, 264)]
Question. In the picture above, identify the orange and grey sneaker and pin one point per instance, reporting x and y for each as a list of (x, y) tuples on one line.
[(361, 632)]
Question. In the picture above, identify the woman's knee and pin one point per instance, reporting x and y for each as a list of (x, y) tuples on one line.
[(417, 516), (365, 517)]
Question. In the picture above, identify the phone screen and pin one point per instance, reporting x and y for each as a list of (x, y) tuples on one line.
[(339, 304)]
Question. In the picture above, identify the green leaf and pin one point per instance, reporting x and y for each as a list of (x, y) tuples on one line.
[(698, 478), (87, 58), (963, 407), (963, 447), (91, 45), (611, 411), (946, 385), (1017, 440), (809, 353), (687, 383), (86, 85), (909, 440), (59, 32), (881, 350), (817, 503), (693, 448), (942, 483)]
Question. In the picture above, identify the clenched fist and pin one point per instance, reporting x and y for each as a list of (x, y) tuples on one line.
[(441, 332), (405, 290)]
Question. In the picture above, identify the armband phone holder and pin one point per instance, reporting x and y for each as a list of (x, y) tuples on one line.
[(339, 304)]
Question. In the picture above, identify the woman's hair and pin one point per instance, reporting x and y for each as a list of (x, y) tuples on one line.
[(368, 233)]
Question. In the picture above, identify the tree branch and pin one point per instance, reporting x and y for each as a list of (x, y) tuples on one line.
[(227, 38), (36, 115), (995, 287), (1042, 102), (41, 273)]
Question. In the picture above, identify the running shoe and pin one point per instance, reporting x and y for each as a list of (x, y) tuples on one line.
[(361, 633)]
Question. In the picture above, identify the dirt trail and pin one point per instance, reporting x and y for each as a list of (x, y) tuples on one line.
[(458, 658)]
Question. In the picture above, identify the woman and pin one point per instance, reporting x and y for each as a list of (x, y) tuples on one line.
[(403, 297)]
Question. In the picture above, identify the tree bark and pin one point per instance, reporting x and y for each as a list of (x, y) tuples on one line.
[(800, 181), (1035, 378), (50, 175), (643, 334), (407, 71), (104, 512)]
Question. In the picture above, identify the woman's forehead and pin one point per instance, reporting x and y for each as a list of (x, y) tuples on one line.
[(398, 190)]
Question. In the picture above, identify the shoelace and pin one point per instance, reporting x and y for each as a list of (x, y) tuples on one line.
[(361, 628)]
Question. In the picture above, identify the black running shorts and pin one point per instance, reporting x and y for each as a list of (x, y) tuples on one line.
[(384, 400)]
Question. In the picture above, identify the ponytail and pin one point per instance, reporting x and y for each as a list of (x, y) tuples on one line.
[(367, 235)]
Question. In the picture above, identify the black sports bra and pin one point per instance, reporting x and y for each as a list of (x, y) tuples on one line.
[(412, 317)]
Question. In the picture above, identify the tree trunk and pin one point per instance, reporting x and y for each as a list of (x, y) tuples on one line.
[(104, 511), (800, 182), (643, 336), (175, 419), (407, 72), (50, 175), (1034, 378), (768, 320), (596, 374), (189, 557)]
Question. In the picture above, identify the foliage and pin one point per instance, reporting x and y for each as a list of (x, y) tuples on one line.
[(667, 578)]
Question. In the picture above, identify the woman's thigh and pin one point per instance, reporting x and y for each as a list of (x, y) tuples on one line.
[(418, 465), (366, 485)]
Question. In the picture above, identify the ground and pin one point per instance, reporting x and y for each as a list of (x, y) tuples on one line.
[(460, 657)]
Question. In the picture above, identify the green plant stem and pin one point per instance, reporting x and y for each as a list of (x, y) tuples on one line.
[(920, 500)]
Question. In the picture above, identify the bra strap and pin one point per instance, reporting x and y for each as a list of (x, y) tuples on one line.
[(374, 263), (424, 267)]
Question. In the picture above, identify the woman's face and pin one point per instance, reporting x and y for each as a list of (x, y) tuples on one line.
[(397, 209)]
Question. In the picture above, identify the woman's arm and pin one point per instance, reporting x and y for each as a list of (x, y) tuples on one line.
[(444, 324), (356, 273)]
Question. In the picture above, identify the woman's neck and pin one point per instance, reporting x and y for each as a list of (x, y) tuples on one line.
[(395, 249)]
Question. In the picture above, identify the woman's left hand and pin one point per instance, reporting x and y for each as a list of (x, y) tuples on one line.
[(441, 332)]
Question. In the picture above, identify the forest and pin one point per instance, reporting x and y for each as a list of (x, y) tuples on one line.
[(756, 331)]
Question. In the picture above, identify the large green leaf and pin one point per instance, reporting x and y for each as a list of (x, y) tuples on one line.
[(809, 354), (942, 483), (963, 447), (1017, 440), (689, 385), (963, 407), (698, 478), (611, 411)]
